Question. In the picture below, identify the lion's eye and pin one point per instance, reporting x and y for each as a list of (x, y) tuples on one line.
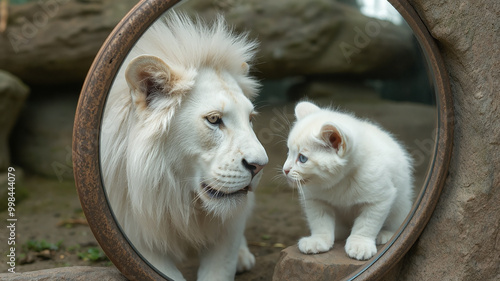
[(214, 119)]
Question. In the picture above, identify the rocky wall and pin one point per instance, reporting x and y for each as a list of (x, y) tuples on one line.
[(462, 239)]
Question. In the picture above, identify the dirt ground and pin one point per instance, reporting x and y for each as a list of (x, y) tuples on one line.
[(52, 212)]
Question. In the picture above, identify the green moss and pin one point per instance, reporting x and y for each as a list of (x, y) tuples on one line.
[(18, 2), (40, 245), (93, 255)]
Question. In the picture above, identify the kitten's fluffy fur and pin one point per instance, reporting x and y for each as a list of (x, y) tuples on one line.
[(353, 177)]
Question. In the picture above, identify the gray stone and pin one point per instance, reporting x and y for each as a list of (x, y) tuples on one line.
[(54, 41), (332, 265), (41, 142), (74, 273), (13, 94), (315, 37)]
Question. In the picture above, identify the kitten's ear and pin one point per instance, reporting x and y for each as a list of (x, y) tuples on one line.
[(333, 137), (305, 108), (149, 77)]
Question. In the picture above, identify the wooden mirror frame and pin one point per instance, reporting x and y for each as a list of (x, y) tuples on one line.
[(88, 123)]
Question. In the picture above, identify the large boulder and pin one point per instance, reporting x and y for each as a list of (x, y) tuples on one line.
[(316, 37), (41, 142), (55, 41), (13, 93)]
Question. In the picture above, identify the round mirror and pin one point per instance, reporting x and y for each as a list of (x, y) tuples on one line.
[(167, 104)]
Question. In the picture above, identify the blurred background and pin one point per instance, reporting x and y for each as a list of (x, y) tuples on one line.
[(356, 55)]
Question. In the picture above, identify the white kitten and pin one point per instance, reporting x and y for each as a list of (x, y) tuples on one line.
[(352, 176)]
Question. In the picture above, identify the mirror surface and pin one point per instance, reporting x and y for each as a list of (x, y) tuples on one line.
[(358, 56)]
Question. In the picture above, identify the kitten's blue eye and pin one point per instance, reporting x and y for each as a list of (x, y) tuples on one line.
[(302, 158)]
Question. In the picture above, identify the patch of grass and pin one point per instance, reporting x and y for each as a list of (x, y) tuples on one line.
[(74, 248), (265, 237), (40, 245), (93, 255)]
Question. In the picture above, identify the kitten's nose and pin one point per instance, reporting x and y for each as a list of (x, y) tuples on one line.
[(286, 171), (252, 167)]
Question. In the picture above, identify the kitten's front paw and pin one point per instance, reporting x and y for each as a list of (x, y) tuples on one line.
[(246, 260), (315, 244), (360, 248)]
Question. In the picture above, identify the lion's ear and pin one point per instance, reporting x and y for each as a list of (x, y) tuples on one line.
[(149, 77)]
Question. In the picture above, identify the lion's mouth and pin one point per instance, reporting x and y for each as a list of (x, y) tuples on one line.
[(214, 193)]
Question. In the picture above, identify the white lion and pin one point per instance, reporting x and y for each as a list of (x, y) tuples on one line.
[(178, 154)]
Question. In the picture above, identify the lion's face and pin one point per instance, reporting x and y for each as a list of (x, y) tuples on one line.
[(206, 119), (218, 119)]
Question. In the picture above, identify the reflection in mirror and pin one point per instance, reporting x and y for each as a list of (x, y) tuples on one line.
[(180, 160)]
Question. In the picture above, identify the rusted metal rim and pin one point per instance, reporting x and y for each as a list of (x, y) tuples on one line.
[(88, 122)]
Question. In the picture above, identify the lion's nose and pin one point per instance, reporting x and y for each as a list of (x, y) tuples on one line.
[(252, 167)]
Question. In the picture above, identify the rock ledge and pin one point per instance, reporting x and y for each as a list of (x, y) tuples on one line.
[(74, 273)]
